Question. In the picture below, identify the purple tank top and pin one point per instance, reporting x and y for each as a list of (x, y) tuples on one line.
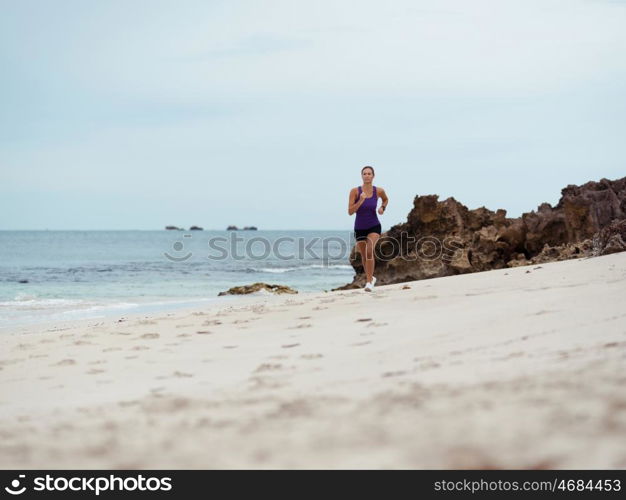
[(366, 214)]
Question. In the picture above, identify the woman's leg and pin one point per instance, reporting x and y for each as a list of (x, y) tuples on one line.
[(370, 244), (361, 247)]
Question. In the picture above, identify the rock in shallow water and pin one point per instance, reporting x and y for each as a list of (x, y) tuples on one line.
[(255, 287)]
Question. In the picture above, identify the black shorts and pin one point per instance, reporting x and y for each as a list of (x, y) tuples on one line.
[(361, 234)]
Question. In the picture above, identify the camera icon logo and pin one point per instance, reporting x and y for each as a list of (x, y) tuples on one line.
[(178, 247), (15, 484)]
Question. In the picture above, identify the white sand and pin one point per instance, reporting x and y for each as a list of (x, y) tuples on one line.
[(507, 368)]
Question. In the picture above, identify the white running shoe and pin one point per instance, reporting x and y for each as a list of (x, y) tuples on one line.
[(368, 287), (373, 281)]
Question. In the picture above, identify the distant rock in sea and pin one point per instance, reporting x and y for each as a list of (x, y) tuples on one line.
[(255, 287), (450, 239), (174, 228), (196, 228), (246, 228)]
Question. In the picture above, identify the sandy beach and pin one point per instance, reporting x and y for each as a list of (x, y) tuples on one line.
[(512, 368)]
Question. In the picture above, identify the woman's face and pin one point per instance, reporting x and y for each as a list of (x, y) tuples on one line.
[(367, 175)]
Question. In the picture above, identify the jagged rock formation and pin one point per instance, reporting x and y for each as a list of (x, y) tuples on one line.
[(611, 239), (255, 287), (444, 238)]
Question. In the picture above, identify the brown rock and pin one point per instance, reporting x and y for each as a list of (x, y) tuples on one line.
[(255, 287), (610, 239)]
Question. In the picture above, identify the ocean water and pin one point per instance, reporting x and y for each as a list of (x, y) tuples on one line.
[(60, 275)]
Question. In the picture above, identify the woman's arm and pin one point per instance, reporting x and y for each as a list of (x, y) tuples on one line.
[(353, 206), (383, 196)]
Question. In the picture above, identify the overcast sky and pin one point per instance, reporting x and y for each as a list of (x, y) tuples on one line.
[(138, 114)]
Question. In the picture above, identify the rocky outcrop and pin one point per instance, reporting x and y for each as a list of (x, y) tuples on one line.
[(444, 238), (196, 228), (611, 239), (174, 228), (255, 287)]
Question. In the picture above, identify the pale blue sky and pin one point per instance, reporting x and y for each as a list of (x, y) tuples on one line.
[(138, 114)]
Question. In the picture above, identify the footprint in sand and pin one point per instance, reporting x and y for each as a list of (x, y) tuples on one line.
[(94, 371), (301, 325), (204, 332), (362, 343), (293, 303), (122, 333), (364, 319), (146, 322), (184, 326), (374, 324), (46, 341), (33, 356), (426, 297), (109, 349), (427, 364), (304, 317), (65, 362), (394, 374), (178, 374), (140, 348), (312, 356), (184, 335), (150, 336), (82, 342), (265, 383), (98, 362), (230, 346), (288, 346), (6, 362), (212, 322), (267, 367)]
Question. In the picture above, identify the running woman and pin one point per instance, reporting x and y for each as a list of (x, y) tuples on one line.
[(363, 200)]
